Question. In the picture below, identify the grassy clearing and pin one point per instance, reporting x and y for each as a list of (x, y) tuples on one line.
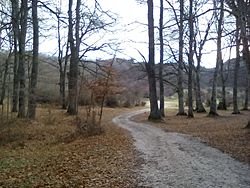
[(225, 132), (35, 153)]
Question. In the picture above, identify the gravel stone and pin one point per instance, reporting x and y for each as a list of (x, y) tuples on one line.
[(178, 160)]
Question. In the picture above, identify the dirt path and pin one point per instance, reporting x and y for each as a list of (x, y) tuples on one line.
[(177, 160)]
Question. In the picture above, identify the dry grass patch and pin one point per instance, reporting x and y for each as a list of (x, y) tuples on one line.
[(225, 132), (34, 154)]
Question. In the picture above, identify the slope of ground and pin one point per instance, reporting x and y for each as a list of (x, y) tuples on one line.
[(35, 154), (225, 132)]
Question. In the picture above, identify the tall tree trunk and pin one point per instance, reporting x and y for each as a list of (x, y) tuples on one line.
[(241, 10), (244, 24), (180, 63), (34, 71), (21, 67), (162, 107), (15, 27), (6, 68), (190, 60), (199, 105), (62, 64), (74, 59), (62, 83), (150, 66), (223, 88), (213, 105), (64, 72), (198, 47), (248, 125), (246, 40), (236, 70)]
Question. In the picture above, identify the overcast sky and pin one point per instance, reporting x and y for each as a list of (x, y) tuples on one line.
[(131, 35)]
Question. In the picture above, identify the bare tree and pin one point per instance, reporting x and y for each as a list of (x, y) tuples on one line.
[(240, 9), (74, 58), (83, 23), (21, 66), (15, 27), (177, 55), (236, 69), (62, 59), (34, 71), (162, 108), (150, 66), (5, 74), (219, 19), (180, 61), (190, 59), (199, 43)]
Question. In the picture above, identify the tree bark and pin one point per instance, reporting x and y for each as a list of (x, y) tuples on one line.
[(247, 93), (198, 47), (15, 27), (236, 70), (223, 87), (162, 108), (241, 10), (181, 110), (62, 82), (190, 60), (199, 105), (6, 68), (34, 72), (245, 40), (62, 67), (150, 66), (74, 59), (62, 64), (21, 67), (213, 105)]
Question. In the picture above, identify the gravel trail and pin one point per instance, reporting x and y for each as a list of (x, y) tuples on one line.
[(177, 160)]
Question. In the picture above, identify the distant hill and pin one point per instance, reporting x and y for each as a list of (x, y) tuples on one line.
[(229, 73), (132, 76)]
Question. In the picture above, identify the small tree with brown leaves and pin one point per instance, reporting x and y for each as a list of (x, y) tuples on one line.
[(103, 85)]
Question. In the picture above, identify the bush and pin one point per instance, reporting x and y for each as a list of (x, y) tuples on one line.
[(112, 101), (89, 127), (127, 104), (143, 103), (46, 99)]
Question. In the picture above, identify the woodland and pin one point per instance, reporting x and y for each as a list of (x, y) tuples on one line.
[(57, 109)]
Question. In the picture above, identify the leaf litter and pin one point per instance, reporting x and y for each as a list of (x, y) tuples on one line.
[(33, 153)]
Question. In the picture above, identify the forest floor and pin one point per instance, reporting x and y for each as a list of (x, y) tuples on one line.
[(225, 132), (38, 153)]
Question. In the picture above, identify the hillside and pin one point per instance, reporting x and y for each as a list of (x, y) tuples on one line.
[(132, 77)]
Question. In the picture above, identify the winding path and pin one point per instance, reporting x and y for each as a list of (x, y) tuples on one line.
[(177, 160)]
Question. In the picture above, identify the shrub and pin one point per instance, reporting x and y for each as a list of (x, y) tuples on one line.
[(128, 104), (89, 127), (112, 101), (143, 103)]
